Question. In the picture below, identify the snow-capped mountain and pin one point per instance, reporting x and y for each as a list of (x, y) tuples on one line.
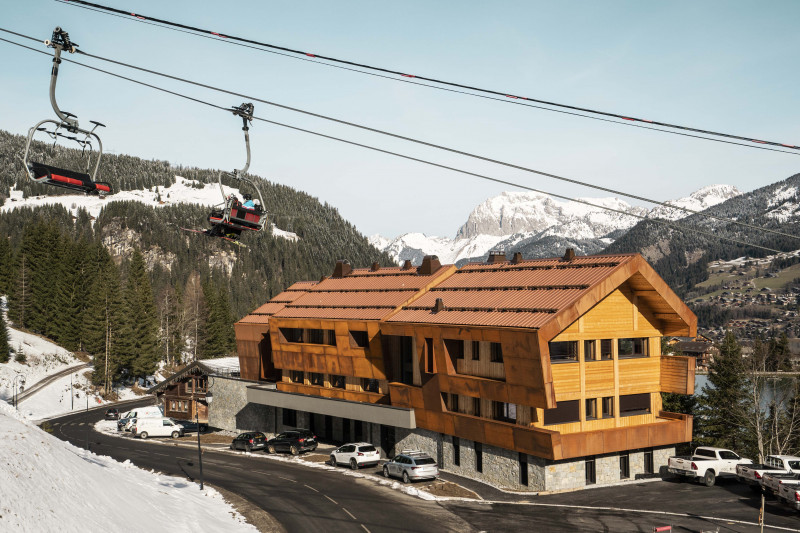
[(538, 225)]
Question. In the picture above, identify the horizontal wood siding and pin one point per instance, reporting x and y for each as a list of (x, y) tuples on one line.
[(639, 375), (677, 374), (566, 378), (599, 378)]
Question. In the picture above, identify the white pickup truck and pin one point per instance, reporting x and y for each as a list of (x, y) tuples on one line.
[(706, 464), (753, 475)]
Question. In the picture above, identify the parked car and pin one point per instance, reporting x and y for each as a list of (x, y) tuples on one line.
[(790, 495), (129, 423), (753, 475), (411, 464), (123, 419), (772, 481), (356, 454), (294, 441), (112, 414), (706, 464), (156, 427), (252, 440)]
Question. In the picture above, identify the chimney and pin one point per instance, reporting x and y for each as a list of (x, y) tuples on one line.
[(342, 268), (430, 264), (375, 266), (496, 256), (407, 264), (517, 258), (569, 255), (438, 306)]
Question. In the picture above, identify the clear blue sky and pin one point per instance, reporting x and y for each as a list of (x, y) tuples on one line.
[(723, 65)]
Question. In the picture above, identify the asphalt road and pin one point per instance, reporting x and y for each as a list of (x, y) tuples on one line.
[(39, 385), (307, 499), (300, 498)]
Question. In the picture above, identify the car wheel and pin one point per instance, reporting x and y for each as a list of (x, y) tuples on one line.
[(353, 464), (406, 479), (248, 448), (709, 479), (385, 471), (294, 450), (270, 449), (143, 435), (333, 461), (231, 446), (174, 434)]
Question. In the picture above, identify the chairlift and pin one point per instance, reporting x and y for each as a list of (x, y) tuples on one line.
[(66, 127), (233, 216)]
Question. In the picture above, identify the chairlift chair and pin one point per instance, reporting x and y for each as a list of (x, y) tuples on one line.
[(233, 216), (67, 122)]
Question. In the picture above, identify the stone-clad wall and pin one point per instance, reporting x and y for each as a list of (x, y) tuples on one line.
[(229, 410)]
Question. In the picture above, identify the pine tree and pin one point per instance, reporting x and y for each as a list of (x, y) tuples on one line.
[(139, 338), (721, 401), (5, 349)]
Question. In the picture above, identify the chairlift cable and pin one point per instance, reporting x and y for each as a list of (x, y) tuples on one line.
[(673, 225), (503, 94)]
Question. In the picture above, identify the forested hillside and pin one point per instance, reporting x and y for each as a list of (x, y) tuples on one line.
[(133, 283)]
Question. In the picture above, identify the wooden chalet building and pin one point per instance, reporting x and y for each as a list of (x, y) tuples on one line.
[(536, 375)]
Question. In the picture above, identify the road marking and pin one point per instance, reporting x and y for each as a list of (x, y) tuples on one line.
[(331, 499), (312, 488), (287, 479), (349, 513), (365, 528)]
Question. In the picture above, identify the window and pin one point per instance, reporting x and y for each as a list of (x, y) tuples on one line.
[(624, 466), (359, 339), (456, 451), (496, 352), (296, 376), (563, 352), (370, 385), (591, 478), (648, 462), (292, 334), (591, 408), (289, 417), (523, 469), (726, 454), (450, 402), (565, 412), (429, 361), (316, 336), (608, 407), (590, 350), (337, 382), (455, 348), (317, 379), (172, 405), (605, 349), (634, 404), (504, 412), (476, 350), (476, 406), (358, 432), (628, 348), (478, 457)]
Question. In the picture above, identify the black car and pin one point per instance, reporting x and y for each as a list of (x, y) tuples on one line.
[(112, 414), (293, 441), (252, 440)]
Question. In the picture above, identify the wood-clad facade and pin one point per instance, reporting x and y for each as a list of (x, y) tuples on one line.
[(555, 358)]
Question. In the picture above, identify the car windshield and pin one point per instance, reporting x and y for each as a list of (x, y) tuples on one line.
[(366, 448), (794, 465), (424, 461)]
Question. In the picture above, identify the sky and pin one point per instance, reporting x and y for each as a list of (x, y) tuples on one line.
[(721, 65)]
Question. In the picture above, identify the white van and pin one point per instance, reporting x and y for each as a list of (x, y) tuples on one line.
[(150, 411), (156, 427)]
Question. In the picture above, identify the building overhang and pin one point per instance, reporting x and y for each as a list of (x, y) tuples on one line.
[(366, 412)]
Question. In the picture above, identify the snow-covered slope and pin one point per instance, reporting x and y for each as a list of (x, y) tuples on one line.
[(539, 225), (50, 485), (183, 191)]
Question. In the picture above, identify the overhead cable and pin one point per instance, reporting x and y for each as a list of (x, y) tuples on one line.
[(663, 222), (503, 94)]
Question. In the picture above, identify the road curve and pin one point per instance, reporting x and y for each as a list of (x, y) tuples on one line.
[(42, 383), (299, 498)]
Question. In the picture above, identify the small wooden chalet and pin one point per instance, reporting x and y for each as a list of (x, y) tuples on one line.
[(183, 395)]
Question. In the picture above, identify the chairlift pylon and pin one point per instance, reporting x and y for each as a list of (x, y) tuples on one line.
[(67, 122)]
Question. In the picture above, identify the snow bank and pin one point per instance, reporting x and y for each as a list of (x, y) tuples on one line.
[(49, 485)]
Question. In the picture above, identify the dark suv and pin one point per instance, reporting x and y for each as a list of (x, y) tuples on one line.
[(252, 440), (293, 441), (112, 414)]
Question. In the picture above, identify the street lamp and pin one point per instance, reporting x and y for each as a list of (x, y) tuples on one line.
[(17, 388), (209, 398)]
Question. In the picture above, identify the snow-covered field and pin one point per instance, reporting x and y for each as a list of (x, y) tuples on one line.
[(49, 485)]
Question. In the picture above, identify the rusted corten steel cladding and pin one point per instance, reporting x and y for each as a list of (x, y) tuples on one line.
[(519, 304)]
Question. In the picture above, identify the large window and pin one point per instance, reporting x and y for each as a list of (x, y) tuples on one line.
[(289, 417), (634, 404), (628, 348), (565, 413), (370, 385), (322, 336), (292, 334), (337, 382), (455, 348), (496, 352), (317, 379), (504, 412), (359, 339), (563, 352), (296, 376)]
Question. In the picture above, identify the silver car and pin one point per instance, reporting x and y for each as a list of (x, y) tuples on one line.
[(411, 464)]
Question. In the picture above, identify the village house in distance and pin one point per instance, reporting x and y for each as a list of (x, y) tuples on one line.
[(540, 375)]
